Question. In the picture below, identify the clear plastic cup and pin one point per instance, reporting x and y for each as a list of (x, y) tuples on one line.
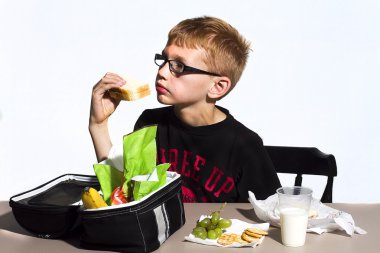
[(293, 205)]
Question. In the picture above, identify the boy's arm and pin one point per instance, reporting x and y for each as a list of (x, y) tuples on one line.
[(102, 106), (101, 140)]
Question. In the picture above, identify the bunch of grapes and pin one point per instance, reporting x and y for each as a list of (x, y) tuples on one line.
[(211, 227)]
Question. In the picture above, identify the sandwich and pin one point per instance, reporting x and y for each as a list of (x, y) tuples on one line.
[(131, 90)]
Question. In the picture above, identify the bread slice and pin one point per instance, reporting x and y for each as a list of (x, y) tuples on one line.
[(132, 90)]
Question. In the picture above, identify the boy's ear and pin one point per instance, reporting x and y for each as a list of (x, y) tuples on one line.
[(220, 87)]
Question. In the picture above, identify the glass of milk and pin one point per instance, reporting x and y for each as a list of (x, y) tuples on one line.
[(293, 205)]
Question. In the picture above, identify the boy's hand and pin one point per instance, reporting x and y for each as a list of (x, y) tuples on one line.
[(102, 105)]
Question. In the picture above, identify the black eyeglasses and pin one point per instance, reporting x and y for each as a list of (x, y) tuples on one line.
[(179, 67)]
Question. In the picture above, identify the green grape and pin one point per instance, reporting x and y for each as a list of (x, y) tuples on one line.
[(201, 234), (224, 223), (205, 222), (197, 229), (211, 227), (218, 231), (215, 217), (211, 234)]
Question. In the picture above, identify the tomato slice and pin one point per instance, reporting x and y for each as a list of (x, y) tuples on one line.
[(117, 196)]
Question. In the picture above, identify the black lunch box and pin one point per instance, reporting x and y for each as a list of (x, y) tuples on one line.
[(54, 210)]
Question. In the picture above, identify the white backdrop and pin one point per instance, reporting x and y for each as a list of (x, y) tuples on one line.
[(310, 80)]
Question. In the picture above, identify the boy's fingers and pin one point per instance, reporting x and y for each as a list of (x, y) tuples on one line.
[(113, 76), (108, 82), (101, 89)]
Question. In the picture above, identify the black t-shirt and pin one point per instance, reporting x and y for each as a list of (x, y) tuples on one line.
[(218, 163)]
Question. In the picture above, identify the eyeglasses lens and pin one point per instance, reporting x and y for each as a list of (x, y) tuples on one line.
[(176, 66), (159, 60)]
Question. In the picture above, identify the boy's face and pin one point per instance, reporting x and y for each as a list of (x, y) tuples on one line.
[(183, 89)]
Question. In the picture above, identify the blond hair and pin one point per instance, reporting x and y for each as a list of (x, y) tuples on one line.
[(226, 51)]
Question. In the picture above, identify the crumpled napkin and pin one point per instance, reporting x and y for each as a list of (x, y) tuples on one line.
[(327, 219)]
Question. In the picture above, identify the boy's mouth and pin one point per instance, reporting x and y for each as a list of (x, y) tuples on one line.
[(161, 89)]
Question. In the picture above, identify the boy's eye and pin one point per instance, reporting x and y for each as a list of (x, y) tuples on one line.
[(177, 66)]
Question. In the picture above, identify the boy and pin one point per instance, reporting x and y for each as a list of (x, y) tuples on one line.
[(218, 157)]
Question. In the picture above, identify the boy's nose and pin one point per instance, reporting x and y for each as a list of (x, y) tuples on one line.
[(164, 69)]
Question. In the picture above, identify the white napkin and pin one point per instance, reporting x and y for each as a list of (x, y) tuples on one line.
[(149, 177), (237, 227), (327, 219)]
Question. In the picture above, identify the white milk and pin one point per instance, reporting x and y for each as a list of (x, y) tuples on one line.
[(293, 226)]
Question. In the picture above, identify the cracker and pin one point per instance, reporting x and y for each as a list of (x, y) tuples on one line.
[(249, 238), (227, 239), (252, 234), (240, 240), (256, 231)]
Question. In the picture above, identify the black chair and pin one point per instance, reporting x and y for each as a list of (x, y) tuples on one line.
[(307, 161)]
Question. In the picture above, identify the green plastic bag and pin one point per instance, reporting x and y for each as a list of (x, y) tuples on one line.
[(142, 186), (139, 155), (109, 178)]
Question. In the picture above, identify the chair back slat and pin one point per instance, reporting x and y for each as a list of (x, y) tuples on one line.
[(305, 161)]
